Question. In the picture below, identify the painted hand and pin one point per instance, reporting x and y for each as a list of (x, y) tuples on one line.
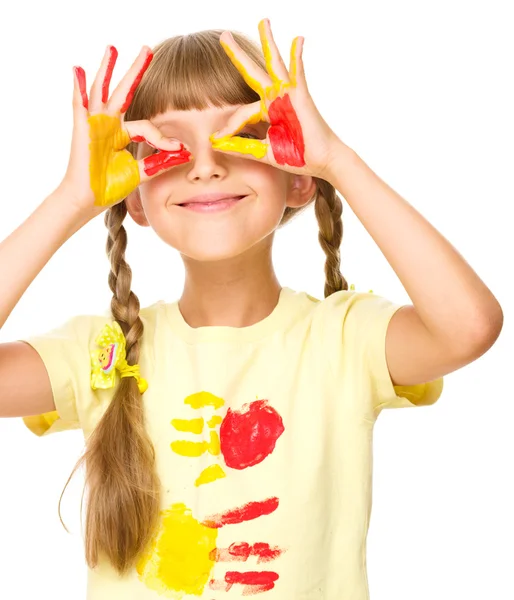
[(113, 171), (298, 139)]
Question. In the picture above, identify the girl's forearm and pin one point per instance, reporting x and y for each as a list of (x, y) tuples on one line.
[(25, 252), (449, 297)]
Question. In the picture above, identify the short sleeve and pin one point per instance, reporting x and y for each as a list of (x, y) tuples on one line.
[(385, 395), (65, 352), (358, 351)]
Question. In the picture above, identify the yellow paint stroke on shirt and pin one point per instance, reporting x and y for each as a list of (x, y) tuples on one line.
[(188, 425), (214, 421), (210, 474), (196, 449), (203, 399), (178, 559)]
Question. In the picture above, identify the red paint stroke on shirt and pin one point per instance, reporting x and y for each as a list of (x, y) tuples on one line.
[(252, 578), (81, 78), (165, 159), (254, 582), (285, 133), (247, 512), (249, 435), (108, 73), (130, 94), (241, 552)]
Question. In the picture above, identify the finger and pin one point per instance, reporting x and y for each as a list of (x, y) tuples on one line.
[(254, 76), (145, 131), (124, 92), (79, 89), (155, 164), (238, 145), (296, 67), (274, 63), (246, 114), (100, 88)]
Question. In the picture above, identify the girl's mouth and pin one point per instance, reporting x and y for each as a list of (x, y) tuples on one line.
[(208, 207)]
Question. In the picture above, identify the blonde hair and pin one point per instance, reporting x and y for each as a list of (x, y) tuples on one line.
[(187, 72)]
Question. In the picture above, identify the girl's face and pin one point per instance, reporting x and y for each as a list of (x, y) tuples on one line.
[(210, 236)]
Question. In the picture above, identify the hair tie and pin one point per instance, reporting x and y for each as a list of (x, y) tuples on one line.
[(111, 358)]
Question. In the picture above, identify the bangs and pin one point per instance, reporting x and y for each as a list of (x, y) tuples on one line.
[(192, 72)]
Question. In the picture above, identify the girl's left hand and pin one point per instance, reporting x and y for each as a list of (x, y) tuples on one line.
[(298, 138)]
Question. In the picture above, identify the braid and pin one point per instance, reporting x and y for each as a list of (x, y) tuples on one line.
[(328, 209), (124, 490), (124, 303)]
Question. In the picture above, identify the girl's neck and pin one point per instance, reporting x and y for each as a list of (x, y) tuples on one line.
[(236, 302)]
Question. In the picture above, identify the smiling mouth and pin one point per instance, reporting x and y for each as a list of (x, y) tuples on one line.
[(212, 203)]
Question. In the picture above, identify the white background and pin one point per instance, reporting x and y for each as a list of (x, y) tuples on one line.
[(423, 92)]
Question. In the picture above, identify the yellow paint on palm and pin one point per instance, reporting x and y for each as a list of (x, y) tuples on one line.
[(114, 172), (210, 474), (256, 148), (178, 560)]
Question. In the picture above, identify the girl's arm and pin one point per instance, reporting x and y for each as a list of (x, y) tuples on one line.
[(25, 388), (454, 318), (25, 252)]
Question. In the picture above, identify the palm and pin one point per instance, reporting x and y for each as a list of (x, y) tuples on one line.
[(114, 171)]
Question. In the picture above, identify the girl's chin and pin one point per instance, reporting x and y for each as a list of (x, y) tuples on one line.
[(214, 253)]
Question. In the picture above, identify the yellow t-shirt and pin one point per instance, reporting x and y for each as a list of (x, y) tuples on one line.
[(263, 438)]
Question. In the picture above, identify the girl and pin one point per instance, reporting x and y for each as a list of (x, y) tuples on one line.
[(229, 434)]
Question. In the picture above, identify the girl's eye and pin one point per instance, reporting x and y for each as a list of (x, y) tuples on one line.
[(248, 134)]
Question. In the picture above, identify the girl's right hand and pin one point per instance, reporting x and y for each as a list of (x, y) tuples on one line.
[(100, 171)]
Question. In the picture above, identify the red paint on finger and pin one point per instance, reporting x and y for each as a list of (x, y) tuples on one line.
[(164, 160), (130, 94), (108, 74), (81, 78), (141, 138), (285, 133)]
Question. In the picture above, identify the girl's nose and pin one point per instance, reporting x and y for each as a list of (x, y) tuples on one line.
[(206, 163)]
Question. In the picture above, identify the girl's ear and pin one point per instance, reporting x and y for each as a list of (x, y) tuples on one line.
[(301, 190), (135, 208)]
